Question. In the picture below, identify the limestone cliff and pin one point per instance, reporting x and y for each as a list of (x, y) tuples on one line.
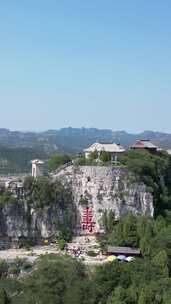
[(100, 188), (106, 188), (22, 221)]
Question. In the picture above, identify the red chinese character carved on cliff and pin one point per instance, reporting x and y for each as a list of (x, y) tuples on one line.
[(87, 220)]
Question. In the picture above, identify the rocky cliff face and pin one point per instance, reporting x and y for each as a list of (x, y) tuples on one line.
[(21, 221), (98, 188), (106, 188)]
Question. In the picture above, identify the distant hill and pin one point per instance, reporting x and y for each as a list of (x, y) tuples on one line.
[(74, 140), (162, 140), (17, 160)]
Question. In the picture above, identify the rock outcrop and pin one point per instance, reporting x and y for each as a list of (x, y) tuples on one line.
[(98, 188), (22, 223), (106, 188)]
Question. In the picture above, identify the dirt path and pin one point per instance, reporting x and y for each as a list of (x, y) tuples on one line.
[(85, 244), (31, 255)]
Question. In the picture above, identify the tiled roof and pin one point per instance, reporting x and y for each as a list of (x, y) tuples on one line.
[(123, 250), (144, 144), (113, 148)]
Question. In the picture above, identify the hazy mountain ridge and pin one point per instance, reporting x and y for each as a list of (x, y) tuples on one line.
[(74, 140)]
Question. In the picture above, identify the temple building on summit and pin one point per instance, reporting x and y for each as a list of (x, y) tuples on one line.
[(145, 144), (110, 148)]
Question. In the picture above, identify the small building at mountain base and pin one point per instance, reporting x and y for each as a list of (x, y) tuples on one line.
[(127, 251)]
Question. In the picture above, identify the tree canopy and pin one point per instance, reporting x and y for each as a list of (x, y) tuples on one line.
[(58, 160)]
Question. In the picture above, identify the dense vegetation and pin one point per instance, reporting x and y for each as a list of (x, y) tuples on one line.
[(42, 191), (64, 280), (155, 171), (58, 160), (6, 197)]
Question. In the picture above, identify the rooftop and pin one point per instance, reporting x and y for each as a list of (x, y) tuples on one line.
[(110, 147), (37, 162), (123, 250), (144, 143)]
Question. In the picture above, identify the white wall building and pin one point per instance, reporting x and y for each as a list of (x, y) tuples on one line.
[(111, 148), (37, 167)]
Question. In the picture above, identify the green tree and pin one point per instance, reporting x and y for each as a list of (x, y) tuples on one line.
[(151, 294), (145, 246), (57, 160), (118, 296), (29, 183), (3, 268), (153, 170), (3, 297), (7, 197), (61, 244), (145, 227), (105, 157), (160, 223), (53, 279), (130, 230), (162, 241), (161, 261), (108, 220), (93, 155), (82, 292)]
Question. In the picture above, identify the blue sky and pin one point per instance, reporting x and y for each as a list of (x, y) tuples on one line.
[(92, 63)]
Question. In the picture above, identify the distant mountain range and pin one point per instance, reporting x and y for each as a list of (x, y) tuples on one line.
[(73, 140), (18, 148)]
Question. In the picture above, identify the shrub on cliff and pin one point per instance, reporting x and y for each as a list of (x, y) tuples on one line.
[(92, 253), (42, 191), (6, 197), (155, 171), (58, 160), (61, 244), (83, 201)]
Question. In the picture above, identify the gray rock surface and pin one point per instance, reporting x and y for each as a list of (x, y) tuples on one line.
[(20, 222), (106, 188), (103, 188)]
